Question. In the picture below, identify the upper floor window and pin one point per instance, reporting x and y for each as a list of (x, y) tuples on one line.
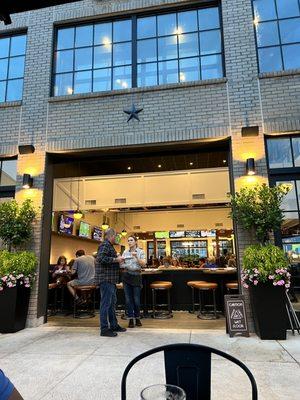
[(12, 61), (277, 25), (140, 51)]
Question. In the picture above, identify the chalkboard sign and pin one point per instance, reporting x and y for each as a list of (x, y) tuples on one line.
[(236, 318)]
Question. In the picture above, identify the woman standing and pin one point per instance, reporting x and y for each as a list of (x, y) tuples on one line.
[(134, 260)]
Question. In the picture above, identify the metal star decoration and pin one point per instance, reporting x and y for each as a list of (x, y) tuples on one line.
[(133, 113)]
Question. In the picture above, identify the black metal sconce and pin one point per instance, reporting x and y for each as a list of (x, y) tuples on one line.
[(27, 181), (250, 166), (26, 149)]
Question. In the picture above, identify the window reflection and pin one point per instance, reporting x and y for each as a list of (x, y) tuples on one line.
[(170, 48), (180, 37), (277, 25), (279, 153), (12, 64), (8, 172), (289, 201)]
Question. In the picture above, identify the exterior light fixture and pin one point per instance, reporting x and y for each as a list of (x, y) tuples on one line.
[(250, 166), (27, 181), (26, 149), (124, 232), (159, 165), (191, 163), (129, 168)]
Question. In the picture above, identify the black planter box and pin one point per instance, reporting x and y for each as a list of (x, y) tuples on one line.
[(269, 311), (13, 309)]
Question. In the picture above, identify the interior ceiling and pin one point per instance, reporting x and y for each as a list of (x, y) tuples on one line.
[(180, 156)]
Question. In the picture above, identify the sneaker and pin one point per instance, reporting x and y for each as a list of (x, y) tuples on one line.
[(118, 328), (131, 323), (108, 333), (138, 322)]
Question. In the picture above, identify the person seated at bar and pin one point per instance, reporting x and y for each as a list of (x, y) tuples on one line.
[(211, 263), (202, 262), (84, 266), (155, 263), (175, 262), (222, 259), (61, 273), (167, 261), (231, 261)]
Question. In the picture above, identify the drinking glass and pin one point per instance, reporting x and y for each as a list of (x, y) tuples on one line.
[(163, 392)]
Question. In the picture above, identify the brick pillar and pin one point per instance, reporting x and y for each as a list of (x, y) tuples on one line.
[(33, 164)]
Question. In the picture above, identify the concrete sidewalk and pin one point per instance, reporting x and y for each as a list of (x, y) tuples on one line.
[(77, 364)]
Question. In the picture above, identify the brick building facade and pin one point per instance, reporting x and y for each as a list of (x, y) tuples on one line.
[(186, 111)]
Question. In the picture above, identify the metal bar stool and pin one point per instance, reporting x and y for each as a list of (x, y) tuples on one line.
[(86, 309), (163, 286), (192, 284), (209, 287), (232, 286)]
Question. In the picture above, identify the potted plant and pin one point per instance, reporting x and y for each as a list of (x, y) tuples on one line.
[(265, 266), (17, 268)]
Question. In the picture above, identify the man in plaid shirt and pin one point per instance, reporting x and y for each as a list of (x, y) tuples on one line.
[(106, 276)]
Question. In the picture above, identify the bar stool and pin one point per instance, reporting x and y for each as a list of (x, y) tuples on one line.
[(163, 286), (87, 295), (209, 287), (232, 286), (192, 284)]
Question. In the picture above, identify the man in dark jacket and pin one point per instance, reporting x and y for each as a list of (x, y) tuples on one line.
[(107, 276)]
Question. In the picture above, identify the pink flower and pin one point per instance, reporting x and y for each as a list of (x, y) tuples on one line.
[(271, 277), (245, 285), (256, 271), (4, 278), (275, 283), (255, 282), (287, 285)]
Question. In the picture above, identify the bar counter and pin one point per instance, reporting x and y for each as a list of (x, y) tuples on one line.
[(181, 293)]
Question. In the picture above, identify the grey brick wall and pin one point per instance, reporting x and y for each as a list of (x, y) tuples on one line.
[(171, 113)]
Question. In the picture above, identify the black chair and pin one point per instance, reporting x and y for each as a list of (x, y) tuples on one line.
[(189, 367)]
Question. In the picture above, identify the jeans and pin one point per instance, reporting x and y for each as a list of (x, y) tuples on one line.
[(133, 300), (108, 302)]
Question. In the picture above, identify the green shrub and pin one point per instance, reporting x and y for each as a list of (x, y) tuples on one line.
[(16, 222), (17, 268), (259, 209), (264, 264)]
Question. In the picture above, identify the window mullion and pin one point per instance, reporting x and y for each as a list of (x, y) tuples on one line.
[(134, 52)]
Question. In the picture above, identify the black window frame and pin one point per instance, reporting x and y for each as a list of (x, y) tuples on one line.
[(11, 34), (9, 190), (133, 17), (283, 174), (280, 45)]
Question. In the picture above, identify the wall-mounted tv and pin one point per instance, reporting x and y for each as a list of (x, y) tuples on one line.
[(97, 233), (162, 235), (212, 233), (84, 230), (65, 224), (193, 234), (177, 234)]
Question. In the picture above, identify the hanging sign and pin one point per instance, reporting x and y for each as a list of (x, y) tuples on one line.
[(236, 318)]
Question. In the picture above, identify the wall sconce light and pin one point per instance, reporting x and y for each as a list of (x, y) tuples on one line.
[(250, 166), (26, 149), (27, 181)]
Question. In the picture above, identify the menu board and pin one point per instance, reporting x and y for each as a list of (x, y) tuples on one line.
[(193, 234), (177, 234)]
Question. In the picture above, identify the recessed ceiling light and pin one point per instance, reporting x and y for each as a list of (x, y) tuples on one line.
[(224, 161), (191, 163), (129, 168), (159, 165)]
